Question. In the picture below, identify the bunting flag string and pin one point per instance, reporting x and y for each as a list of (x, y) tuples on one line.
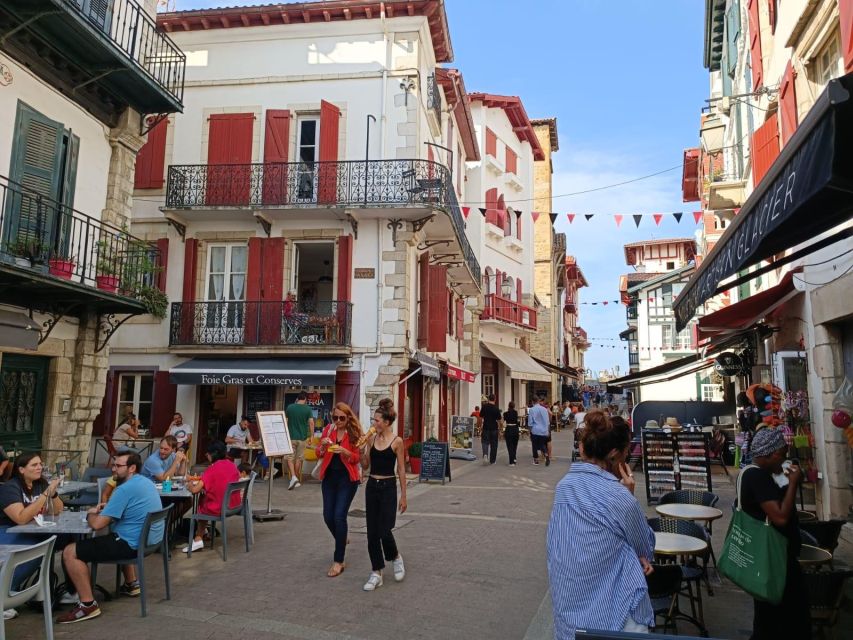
[(553, 218), (588, 216), (466, 211), (535, 215), (571, 217), (697, 216), (637, 218), (602, 302), (617, 217), (658, 217)]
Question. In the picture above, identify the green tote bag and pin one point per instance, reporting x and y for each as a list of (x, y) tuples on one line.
[(755, 554)]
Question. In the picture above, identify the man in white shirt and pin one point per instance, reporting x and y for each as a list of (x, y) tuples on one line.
[(182, 431), (238, 440), (539, 422)]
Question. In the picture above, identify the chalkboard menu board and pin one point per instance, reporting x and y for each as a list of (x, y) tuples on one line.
[(435, 463)]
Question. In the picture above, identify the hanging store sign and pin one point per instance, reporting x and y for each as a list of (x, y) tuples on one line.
[(728, 364)]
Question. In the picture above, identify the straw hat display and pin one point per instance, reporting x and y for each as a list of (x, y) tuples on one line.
[(672, 424), (652, 424)]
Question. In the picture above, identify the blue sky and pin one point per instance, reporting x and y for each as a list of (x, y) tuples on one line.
[(625, 81)]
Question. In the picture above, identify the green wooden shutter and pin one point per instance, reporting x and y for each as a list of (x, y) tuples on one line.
[(36, 165)]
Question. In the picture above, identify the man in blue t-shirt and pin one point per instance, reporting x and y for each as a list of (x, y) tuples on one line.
[(167, 463), (125, 513)]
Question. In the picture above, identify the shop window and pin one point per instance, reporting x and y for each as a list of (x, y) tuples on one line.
[(712, 393), (135, 393), (313, 276), (488, 384)]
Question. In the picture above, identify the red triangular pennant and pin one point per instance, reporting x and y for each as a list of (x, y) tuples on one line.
[(535, 215), (658, 217), (618, 217), (571, 217), (697, 216), (466, 211)]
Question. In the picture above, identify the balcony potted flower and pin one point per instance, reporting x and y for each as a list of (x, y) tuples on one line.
[(61, 266), (415, 451), (107, 278), (155, 301), (27, 252)]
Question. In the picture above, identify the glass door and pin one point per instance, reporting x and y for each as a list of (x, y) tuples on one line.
[(225, 295), (23, 396), (308, 132)]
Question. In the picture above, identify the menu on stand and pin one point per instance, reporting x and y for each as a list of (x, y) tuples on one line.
[(274, 433)]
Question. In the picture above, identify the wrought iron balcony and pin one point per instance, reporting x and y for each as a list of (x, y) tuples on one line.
[(261, 323), (509, 311), (104, 54), (434, 97), (51, 254), (347, 183)]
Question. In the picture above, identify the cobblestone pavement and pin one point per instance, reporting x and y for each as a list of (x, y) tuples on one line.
[(474, 552)]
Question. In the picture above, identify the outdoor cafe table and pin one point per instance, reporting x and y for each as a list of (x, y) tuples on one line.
[(689, 512), (811, 556), (67, 522), (178, 495), (676, 544)]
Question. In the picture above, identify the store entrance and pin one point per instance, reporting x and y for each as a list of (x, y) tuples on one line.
[(217, 413)]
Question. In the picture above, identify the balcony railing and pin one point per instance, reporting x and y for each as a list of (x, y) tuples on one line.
[(130, 28), (50, 238), (509, 311), (434, 97), (346, 183), (261, 323)]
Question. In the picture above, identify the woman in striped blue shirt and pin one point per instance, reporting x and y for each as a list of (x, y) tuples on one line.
[(599, 543)]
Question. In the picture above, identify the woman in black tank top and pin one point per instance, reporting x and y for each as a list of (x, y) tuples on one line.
[(385, 450)]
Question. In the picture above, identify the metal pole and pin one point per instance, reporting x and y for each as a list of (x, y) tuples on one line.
[(367, 153)]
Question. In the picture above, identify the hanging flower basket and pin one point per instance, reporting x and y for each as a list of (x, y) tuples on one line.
[(61, 268), (107, 283)]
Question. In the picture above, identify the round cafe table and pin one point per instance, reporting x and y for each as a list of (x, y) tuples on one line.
[(689, 512), (676, 544), (811, 556)]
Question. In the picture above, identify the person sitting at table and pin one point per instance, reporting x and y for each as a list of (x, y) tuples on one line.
[(238, 440), (26, 495), (598, 542), (167, 463), (213, 482), (183, 432), (125, 514), (245, 470), (128, 429)]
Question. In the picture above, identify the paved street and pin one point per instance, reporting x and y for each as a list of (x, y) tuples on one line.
[(474, 552)]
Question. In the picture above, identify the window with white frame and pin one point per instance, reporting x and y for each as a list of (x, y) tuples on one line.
[(307, 152), (827, 64), (683, 340), (488, 384), (660, 303), (666, 336), (135, 394), (712, 393)]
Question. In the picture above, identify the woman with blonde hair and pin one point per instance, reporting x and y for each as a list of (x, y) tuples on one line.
[(386, 449), (338, 456)]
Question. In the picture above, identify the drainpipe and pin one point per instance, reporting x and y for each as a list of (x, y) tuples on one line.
[(383, 122), (379, 289)]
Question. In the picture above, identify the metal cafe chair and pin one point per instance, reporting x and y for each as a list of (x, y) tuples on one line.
[(143, 551), (9, 599), (664, 586), (241, 487)]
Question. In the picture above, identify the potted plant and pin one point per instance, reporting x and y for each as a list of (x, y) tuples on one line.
[(26, 252), (61, 266), (107, 278), (155, 301), (415, 450)]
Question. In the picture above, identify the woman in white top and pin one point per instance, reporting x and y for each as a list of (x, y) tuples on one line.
[(128, 429)]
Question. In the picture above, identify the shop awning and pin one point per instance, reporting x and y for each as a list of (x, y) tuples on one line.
[(742, 315), (666, 368), (568, 372), (458, 373), (428, 365), (17, 330), (807, 191), (295, 372), (520, 364)]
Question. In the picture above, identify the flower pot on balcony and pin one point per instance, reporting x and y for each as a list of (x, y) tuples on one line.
[(61, 268), (26, 263), (107, 283)]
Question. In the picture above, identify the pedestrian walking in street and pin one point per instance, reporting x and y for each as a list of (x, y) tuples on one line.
[(538, 421), (511, 432), (489, 422), (300, 424), (764, 499), (338, 456), (386, 449), (598, 540)]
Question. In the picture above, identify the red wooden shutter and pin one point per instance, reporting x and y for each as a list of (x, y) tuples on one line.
[(771, 12), (845, 14), (151, 159), (272, 289), (165, 395), (423, 299), (491, 143), (460, 318), (765, 148), (518, 289), (276, 146), (755, 45), (347, 385), (253, 291), (511, 161), (492, 206), (788, 104), (188, 292), (103, 423), (162, 262), (345, 268), (229, 156), (327, 186), (517, 226), (451, 308), (437, 338)]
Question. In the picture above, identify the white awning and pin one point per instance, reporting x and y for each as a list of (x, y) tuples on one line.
[(520, 364)]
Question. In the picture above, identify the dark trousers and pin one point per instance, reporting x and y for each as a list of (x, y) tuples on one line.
[(788, 619), (338, 492), (489, 440), (511, 439), (380, 500), (539, 443)]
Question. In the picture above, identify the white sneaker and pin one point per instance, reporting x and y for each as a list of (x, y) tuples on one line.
[(399, 569), (8, 614), (373, 582), (198, 545), (69, 598), (485, 459), (293, 483)]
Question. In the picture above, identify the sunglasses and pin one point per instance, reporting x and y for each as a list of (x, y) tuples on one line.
[(339, 418)]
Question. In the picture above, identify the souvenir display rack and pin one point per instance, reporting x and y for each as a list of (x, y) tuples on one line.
[(673, 461)]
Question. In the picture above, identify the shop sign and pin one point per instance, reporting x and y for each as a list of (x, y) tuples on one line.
[(728, 364), (462, 432), (364, 273), (456, 373), (251, 379)]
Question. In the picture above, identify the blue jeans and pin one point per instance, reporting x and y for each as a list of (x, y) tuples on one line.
[(338, 492)]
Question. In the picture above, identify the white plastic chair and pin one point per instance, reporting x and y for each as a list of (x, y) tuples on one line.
[(9, 599)]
